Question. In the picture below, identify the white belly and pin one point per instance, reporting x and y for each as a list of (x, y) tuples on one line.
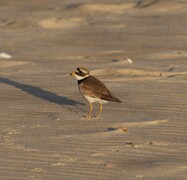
[(92, 100)]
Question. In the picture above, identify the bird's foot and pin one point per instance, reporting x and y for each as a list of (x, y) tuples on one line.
[(97, 117), (89, 117)]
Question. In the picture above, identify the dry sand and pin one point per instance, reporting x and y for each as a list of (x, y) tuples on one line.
[(42, 133)]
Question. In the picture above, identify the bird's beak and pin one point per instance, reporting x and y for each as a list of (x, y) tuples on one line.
[(72, 74)]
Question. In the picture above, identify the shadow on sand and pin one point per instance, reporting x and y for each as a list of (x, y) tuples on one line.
[(40, 93)]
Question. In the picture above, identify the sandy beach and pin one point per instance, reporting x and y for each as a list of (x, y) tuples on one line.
[(137, 48)]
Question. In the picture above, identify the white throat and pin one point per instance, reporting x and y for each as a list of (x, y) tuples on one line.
[(79, 77)]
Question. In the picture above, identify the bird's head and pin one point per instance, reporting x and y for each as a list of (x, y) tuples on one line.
[(80, 73)]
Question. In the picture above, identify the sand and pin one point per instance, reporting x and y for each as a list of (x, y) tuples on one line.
[(138, 48)]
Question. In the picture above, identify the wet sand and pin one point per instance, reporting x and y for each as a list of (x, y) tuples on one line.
[(139, 50)]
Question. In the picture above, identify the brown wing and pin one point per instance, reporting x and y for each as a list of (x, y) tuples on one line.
[(95, 88)]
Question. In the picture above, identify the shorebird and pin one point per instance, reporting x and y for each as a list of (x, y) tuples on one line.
[(93, 89)]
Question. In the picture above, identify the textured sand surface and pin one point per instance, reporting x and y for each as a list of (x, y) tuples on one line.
[(138, 48)]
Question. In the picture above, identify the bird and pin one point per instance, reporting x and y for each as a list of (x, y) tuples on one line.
[(93, 90)]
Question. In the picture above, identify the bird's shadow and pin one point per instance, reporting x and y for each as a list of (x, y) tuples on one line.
[(41, 93)]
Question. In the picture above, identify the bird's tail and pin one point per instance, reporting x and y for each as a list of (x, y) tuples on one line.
[(117, 100)]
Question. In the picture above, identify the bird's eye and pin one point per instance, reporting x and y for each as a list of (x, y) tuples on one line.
[(78, 69)]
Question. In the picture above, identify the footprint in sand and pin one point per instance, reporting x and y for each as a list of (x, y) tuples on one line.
[(106, 8), (38, 170), (16, 24), (60, 23)]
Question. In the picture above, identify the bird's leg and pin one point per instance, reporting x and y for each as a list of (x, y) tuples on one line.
[(100, 110), (90, 112)]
